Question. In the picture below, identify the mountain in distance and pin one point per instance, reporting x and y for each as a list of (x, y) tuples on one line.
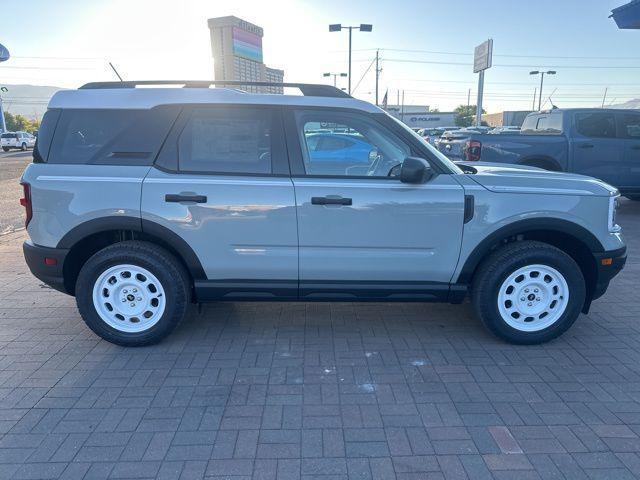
[(631, 104), (27, 100)]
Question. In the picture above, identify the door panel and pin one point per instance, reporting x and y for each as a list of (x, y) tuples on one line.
[(596, 151), (246, 229), (391, 232), (629, 132), (229, 195)]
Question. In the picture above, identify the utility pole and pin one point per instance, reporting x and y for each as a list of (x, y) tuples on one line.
[(377, 73), (533, 105), (402, 107), (468, 98), (604, 97)]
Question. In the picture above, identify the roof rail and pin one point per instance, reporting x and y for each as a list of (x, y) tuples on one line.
[(307, 89)]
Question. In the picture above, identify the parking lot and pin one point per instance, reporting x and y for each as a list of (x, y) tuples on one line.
[(12, 164), (325, 390)]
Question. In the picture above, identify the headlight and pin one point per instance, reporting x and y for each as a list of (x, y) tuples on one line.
[(613, 207)]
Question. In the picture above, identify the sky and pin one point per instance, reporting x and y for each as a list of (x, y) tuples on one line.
[(426, 47)]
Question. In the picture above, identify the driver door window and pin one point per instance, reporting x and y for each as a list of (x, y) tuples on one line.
[(348, 145)]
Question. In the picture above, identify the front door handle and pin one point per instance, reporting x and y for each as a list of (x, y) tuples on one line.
[(585, 145), (331, 201), (177, 198)]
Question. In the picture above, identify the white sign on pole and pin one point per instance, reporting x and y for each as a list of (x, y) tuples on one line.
[(481, 61), (482, 56)]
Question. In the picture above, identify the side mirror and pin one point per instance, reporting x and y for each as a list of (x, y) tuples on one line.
[(415, 170)]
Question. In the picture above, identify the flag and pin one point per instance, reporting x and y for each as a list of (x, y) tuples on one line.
[(384, 99)]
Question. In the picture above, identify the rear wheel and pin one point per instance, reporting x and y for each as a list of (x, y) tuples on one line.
[(6, 149), (528, 292), (132, 293)]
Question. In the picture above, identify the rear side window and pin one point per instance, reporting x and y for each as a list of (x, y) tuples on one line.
[(547, 124), (9, 135), (227, 140), (45, 135), (596, 125), (630, 125), (110, 136)]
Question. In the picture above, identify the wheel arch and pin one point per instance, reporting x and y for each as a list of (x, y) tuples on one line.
[(571, 238), (549, 162), (89, 237)]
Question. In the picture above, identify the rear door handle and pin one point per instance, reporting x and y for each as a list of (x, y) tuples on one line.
[(331, 201), (586, 145), (177, 198)]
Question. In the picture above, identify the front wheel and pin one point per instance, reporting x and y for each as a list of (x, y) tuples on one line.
[(132, 293), (528, 292)]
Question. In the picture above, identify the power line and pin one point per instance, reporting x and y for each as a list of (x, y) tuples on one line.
[(362, 77), (436, 52), (403, 60)]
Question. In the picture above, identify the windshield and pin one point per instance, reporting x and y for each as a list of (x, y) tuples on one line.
[(448, 163)]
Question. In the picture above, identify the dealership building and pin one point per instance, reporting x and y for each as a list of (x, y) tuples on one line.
[(419, 116), (236, 46)]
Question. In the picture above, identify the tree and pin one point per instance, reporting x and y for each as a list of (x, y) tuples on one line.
[(466, 115), (20, 123)]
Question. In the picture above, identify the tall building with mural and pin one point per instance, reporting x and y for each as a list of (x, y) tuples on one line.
[(236, 46)]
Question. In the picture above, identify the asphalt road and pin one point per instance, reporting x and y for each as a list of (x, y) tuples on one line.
[(12, 164)]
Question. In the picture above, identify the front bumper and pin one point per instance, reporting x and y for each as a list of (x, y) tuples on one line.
[(608, 265), (46, 264)]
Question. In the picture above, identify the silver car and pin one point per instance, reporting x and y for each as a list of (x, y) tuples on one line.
[(140, 201)]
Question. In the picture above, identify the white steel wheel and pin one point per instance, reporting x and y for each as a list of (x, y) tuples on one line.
[(533, 298), (129, 298)]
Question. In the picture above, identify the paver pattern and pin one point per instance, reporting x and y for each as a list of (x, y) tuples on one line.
[(318, 391)]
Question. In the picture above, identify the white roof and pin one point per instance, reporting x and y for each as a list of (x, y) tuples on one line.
[(145, 98)]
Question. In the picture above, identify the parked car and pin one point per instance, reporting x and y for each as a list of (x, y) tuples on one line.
[(140, 201), (452, 143), (19, 140), (332, 151), (432, 134), (601, 143), (504, 129)]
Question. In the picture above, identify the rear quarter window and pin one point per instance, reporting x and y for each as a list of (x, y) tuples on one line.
[(110, 136), (45, 135)]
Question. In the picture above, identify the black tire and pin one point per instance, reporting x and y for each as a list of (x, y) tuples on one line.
[(164, 266), (23, 147), (495, 270), (6, 149)]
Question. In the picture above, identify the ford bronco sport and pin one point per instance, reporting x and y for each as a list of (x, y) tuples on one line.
[(140, 201)]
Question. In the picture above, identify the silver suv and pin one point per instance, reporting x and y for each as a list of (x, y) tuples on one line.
[(141, 201)]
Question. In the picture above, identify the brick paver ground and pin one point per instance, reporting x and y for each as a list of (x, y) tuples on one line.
[(322, 391)]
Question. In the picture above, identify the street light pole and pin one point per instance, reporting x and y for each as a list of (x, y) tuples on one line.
[(335, 76), (364, 27), (536, 72)]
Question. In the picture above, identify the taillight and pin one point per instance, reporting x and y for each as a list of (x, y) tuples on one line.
[(25, 201), (472, 150)]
